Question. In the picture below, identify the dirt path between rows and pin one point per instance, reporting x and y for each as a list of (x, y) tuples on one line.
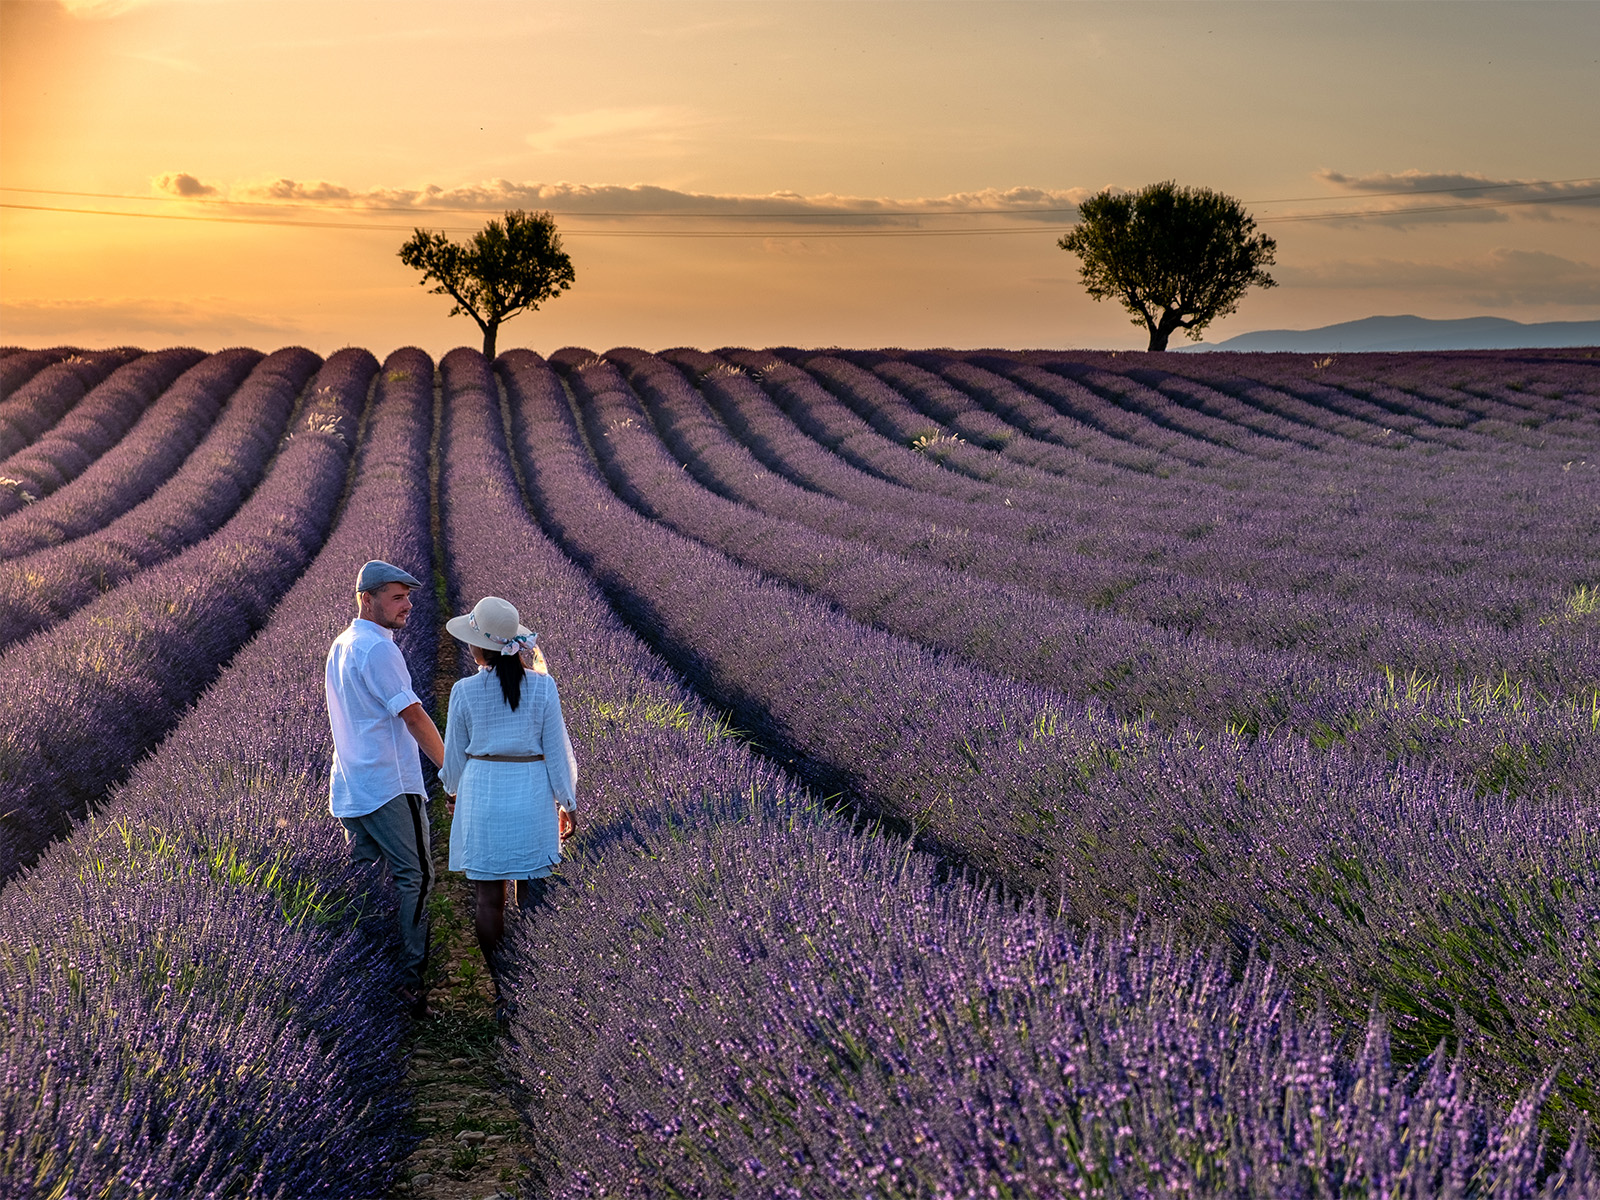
[(471, 1141)]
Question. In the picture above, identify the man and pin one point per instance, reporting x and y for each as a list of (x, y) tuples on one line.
[(376, 786)]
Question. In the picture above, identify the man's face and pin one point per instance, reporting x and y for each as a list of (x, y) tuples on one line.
[(388, 605)]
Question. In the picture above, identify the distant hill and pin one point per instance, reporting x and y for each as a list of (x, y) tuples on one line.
[(1415, 333)]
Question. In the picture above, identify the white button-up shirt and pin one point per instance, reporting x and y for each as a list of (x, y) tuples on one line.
[(375, 758)]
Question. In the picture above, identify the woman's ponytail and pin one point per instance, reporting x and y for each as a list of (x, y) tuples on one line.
[(508, 669)]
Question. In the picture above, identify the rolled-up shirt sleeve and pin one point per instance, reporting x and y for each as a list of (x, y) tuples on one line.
[(387, 676), (558, 757), (457, 732)]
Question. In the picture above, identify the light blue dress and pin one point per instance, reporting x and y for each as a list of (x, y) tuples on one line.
[(505, 823)]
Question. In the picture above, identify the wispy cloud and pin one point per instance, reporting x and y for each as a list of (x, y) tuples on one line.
[(1434, 197), (167, 320), (172, 62), (627, 201), (799, 247), (661, 125), (1502, 277), (100, 9), (510, 24), (1460, 183)]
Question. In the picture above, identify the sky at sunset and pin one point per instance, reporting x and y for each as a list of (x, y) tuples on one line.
[(219, 172)]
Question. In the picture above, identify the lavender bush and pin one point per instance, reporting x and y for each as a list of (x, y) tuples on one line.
[(1222, 577), (40, 588), (20, 365), (1134, 668), (190, 984), (92, 427), (143, 460), (1209, 829), (889, 413), (762, 1010), (1428, 501), (1196, 951), (96, 691), (1064, 390), (735, 997), (853, 438), (45, 398)]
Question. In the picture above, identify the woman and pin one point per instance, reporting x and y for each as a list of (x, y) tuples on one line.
[(508, 766)]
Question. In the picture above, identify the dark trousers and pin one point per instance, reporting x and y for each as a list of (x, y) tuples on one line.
[(398, 833)]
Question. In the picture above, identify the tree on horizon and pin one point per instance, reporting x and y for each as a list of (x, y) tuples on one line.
[(1175, 257), (510, 266)]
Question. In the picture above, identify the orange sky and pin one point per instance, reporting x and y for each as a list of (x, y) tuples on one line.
[(313, 137)]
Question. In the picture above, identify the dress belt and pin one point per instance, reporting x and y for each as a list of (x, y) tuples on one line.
[(507, 757)]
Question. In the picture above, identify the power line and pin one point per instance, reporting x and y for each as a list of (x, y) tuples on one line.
[(579, 233), (1346, 215), (143, 216), (777, 214)]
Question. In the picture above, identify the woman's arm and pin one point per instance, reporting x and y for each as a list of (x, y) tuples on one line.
[(558, 756), (457, 732)]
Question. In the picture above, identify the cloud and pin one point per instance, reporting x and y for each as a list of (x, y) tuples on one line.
[(1415, 197), (799, 247), (170, 321), (1501, 277), (661, 125), (171, 61), (618, 202), (93, 9), (291, 190), (1459, 183), (181, 183)]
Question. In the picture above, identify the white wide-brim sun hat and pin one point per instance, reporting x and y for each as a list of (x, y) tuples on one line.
[(492, 625)]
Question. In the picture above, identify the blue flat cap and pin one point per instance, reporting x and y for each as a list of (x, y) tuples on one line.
[(377, 573)]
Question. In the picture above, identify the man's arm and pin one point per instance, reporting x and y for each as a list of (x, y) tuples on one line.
[(425, 731)]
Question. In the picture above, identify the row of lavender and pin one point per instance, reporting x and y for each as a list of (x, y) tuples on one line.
[(1539, 527), (47, 396), (18, 364), (1132, 667), (732, 993), (1350, 870), (191, 984), (1482, 547), (205, 489), (1509, 475), (91, 427), (898, 398), (92, 693), (654, 712), (161, 439), (1020, 550)]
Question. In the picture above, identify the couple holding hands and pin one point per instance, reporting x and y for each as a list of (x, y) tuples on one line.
[(505, 760)]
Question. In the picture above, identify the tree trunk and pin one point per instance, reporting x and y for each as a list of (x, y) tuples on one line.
[(489, 332), (1160, 331)]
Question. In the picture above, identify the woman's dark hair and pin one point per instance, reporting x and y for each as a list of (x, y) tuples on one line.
[(508, 670)]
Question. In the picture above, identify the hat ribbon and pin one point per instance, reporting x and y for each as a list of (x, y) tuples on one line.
[(507, 645)]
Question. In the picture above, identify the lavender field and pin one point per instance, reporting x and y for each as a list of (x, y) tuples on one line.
[(1004, 774)]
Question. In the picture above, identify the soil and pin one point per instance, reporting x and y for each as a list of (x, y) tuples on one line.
[(458, 1086)]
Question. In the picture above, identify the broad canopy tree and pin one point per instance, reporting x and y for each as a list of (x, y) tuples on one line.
[(1176, 257), (510, 266)]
